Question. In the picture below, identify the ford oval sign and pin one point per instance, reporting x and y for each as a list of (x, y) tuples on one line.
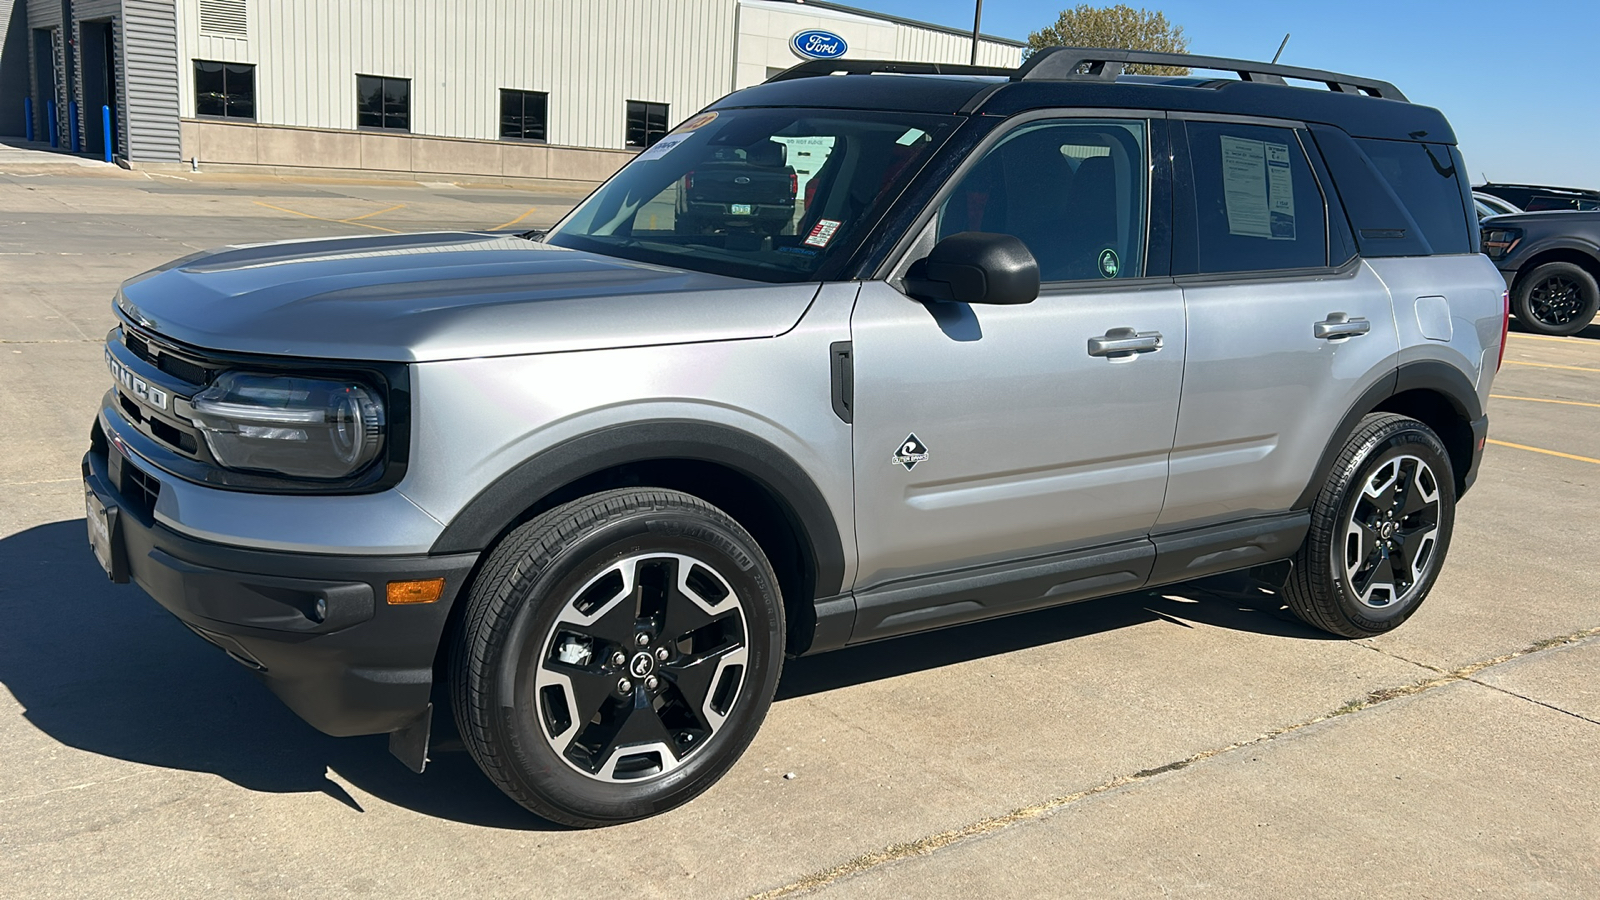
[(818, 45)]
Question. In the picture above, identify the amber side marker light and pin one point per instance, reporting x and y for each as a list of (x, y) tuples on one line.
[(403, 592)]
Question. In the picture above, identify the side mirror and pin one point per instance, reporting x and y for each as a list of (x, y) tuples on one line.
[(976, 267)]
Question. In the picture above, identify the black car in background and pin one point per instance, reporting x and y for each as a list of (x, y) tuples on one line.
[(1551, 263), (1542, 198)]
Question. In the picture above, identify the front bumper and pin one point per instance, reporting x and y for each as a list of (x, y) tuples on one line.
[(316, 628)]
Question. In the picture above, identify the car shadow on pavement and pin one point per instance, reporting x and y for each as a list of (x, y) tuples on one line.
[(104, 669), (1231, 601)]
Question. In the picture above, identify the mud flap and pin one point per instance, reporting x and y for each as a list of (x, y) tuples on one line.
[(410, 744)]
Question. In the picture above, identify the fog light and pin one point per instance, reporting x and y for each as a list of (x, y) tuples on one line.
[(321, 610), (426, 591)]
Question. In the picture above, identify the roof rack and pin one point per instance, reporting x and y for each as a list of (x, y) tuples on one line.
[(1092, 64), (1097, 64), (874, 66)]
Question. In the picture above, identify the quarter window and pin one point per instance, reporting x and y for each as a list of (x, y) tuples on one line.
[(227, 90), (647, 123), (1257, 204), (1073, 191), (1425, 179), (383, 102), (522, 114)]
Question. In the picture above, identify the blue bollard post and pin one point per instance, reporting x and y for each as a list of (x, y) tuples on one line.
[(105, 129), (72, 125), (27, 115), (55, 130)]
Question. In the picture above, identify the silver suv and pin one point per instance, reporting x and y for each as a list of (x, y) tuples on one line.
[(937, 344)]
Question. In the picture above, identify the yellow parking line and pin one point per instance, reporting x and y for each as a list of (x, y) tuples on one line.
[(371, 214), (325, 218), (1514, 362), (1552, 337), (1545, 400), (1587, 459), (516, 220)]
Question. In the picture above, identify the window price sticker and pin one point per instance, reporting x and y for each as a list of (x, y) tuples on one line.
[(822, 233)]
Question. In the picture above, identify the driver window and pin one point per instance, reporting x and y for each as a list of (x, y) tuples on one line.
[(1073, 191)]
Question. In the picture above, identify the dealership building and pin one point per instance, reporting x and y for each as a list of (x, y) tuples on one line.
[(563, 89)]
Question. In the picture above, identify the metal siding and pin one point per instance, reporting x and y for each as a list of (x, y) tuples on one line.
[(590, 56), (149, 60)]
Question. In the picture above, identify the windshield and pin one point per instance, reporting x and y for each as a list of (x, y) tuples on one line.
[(776, 195)]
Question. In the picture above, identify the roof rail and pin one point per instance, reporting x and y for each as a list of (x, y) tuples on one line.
[(1096, 64), (817, 67)]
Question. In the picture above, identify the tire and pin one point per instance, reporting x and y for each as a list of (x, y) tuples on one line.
[(1390, 497), (1557, 298), (652, 610)]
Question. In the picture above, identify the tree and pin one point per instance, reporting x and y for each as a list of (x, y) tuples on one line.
[(1118, 27)]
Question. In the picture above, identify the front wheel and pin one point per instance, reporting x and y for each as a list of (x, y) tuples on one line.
[(617, 655), (1558, 298), (1380, 528)]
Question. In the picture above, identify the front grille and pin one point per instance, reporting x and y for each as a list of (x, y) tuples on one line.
[(164, 359)]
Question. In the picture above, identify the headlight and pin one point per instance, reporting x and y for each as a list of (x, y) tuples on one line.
[(304, 427), (1497, 242)]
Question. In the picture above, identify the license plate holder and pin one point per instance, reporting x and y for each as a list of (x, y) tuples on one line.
[(102, 519)]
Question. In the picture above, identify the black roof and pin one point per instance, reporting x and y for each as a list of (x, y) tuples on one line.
[(1074, 77)]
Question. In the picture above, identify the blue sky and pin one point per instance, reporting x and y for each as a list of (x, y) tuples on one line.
[(1532, 118)]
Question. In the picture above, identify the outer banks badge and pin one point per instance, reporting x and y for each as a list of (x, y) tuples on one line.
[(910, 453), (1109, 264)]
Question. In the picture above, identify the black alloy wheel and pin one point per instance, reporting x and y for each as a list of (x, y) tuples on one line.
[(1557, 298), (616, 656), (1380, 528)]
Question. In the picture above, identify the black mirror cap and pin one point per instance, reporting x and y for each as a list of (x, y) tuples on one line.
[(976, 267)]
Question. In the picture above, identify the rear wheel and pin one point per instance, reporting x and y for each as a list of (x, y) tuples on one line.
[(1556, 298), (617, 655), (1380, 528)]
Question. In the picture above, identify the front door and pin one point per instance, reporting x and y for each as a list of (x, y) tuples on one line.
[(985, 435)]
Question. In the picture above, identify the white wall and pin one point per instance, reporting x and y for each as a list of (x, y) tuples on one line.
[(765, 28), (591, 56)]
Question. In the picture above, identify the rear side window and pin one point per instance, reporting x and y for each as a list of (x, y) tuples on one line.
[(1425, 178), (1257, 204)]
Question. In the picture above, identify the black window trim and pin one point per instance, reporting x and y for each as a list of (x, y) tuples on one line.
[(666, 115), (522, 140), (911, 247), (194, 62), (1183, 164), (383, 129)]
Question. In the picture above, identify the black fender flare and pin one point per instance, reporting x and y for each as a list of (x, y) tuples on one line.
[(1429, 374), (488, 514)]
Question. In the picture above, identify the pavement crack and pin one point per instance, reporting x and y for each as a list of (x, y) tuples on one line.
[(1549, 706), (936, 842)]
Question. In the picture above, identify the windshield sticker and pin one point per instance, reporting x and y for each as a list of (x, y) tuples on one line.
[(1109, 264), (662, 147), (1258, 188), (696, 122), (822, 233), (911, 137)]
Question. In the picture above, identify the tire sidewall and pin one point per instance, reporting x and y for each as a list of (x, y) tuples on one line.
[(1404, 438), (1587, 285), (541, 600)]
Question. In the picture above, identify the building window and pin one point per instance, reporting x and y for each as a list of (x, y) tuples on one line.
[(647, 123), (383, 103), (522, 114), (226, 90)]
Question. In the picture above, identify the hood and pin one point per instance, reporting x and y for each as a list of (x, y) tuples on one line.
[(424, 297), (1570, 217)]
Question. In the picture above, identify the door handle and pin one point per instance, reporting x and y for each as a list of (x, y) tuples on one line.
[(1339, 325), (1123, 342)]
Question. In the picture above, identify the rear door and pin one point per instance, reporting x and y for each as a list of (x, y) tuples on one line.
[(1287, 327), (987, 434)]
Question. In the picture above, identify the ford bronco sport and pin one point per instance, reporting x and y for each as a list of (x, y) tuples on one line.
[(1024, 337)]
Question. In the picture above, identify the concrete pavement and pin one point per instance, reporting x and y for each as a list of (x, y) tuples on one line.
[(1198, 741)]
